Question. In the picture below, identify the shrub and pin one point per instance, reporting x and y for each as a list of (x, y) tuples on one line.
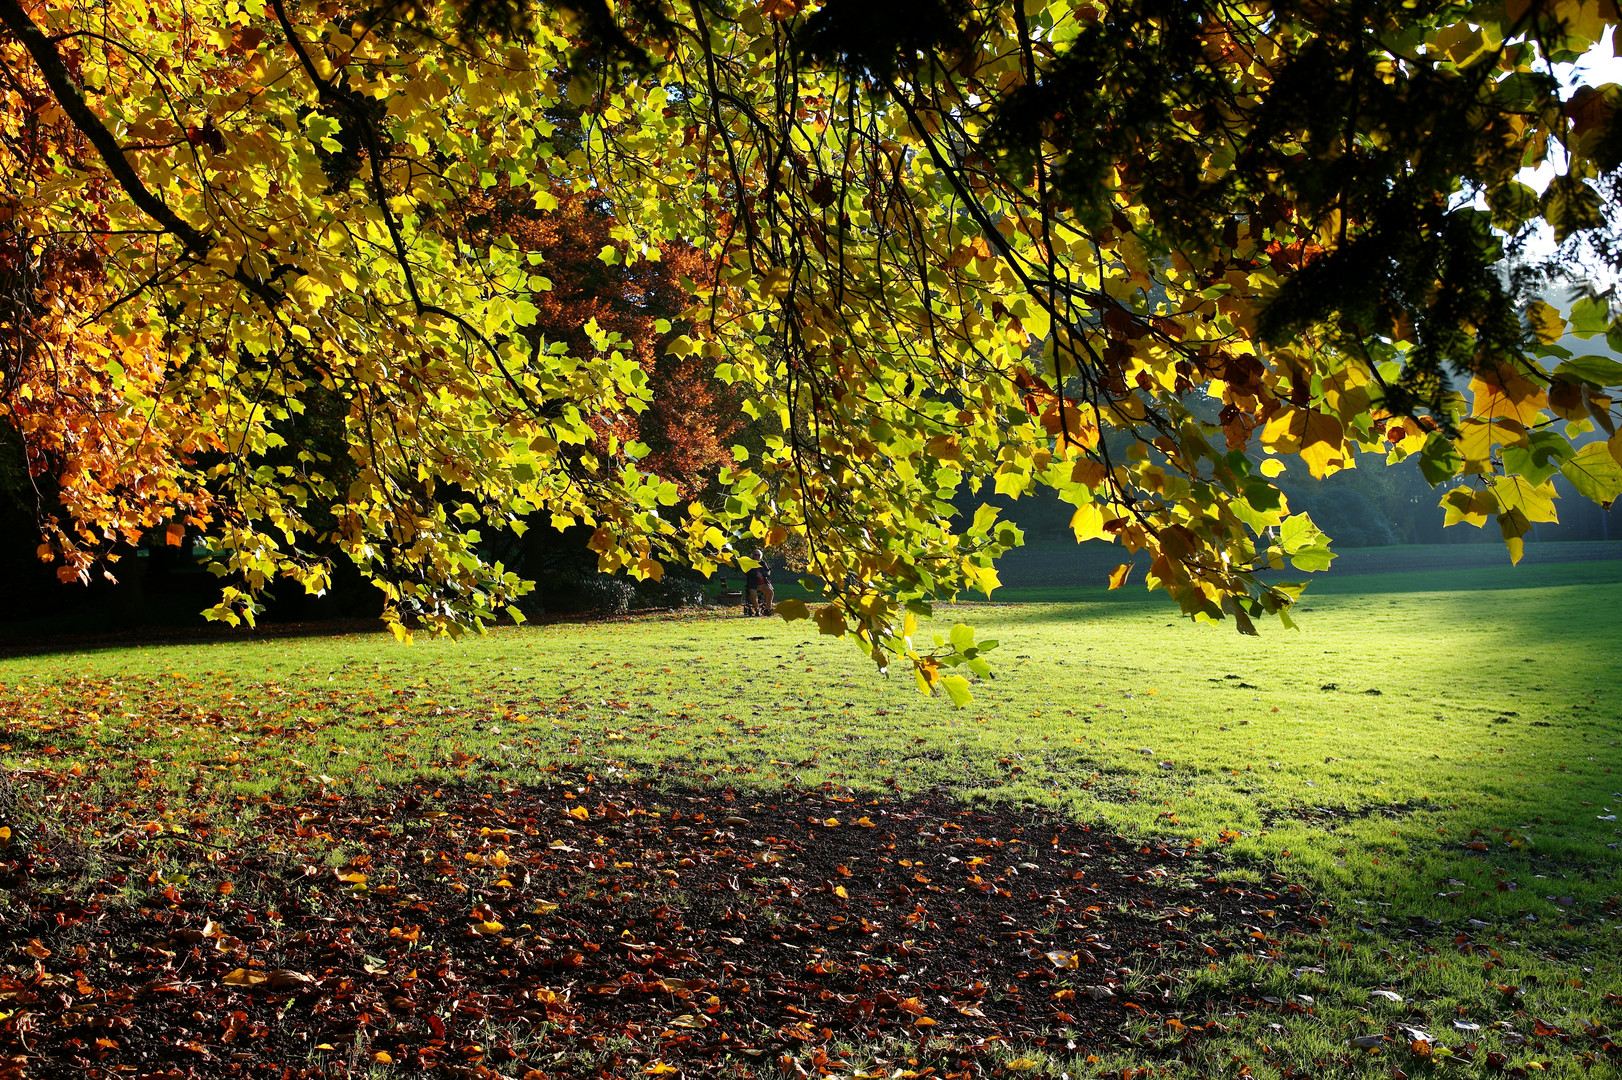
[(605, 594), (678, 588)]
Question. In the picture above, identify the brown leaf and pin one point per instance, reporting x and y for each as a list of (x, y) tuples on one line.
[(285, 979)]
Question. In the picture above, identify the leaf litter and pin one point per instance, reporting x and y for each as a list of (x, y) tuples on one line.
[(604, 929)]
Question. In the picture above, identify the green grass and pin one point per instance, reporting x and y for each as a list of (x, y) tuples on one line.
[(1496, 724), (1056, 562)]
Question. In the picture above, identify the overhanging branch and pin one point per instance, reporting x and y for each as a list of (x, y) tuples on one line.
[(197, 243)]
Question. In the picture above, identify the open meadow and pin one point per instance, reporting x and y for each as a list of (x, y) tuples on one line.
[(1385, 844)]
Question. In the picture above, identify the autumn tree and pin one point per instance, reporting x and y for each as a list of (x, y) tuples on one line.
[(689, 418), (1133, 250)]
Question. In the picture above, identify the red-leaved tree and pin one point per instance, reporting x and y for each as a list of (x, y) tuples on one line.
[(691, 419)]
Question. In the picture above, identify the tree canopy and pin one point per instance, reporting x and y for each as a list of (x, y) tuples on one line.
[(1133, 250)]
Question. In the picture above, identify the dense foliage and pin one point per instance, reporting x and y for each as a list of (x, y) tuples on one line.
[(1132, 250)]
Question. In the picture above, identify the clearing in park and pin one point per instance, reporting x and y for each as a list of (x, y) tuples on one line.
[(706, 846)]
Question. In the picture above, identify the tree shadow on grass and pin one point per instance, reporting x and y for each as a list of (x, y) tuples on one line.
[(168, 637)]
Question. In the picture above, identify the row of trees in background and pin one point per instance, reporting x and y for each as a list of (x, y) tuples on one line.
[(1359, 508)]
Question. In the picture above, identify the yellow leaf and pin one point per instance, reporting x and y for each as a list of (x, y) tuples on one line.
[(1117, 576), (791, 609), (580, 813), (831, 620), (1514, 526), (1545, 322), (943, 448), (1280, 435), (1461, 42), (1478, 437), (839, 891), (1087, 522), (832, 822), (243, 977), (1323, 445), (1271, 467), (382, 1057), (1089, 472), (775, 282), (1318, 438), (1508, 394), (983, 578), (1536, 502), (1469, 506)]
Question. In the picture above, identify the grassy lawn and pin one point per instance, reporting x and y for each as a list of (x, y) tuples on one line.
[(1434, 754)]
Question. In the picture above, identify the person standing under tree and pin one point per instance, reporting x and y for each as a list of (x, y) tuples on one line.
[(757, 587)]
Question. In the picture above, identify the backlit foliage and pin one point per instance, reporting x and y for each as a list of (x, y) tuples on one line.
[(1135, 251)]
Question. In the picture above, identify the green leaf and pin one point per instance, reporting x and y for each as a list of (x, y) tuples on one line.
[(1513, 204), (984, 517), (1314, 559), (1540, 458), (1570, 205), (1305, 544), (1296, 532), (1599, 371), (957, 688), (1595, 474), (1439, 459), (1011, 482), (580, 91), (1590, 316)]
